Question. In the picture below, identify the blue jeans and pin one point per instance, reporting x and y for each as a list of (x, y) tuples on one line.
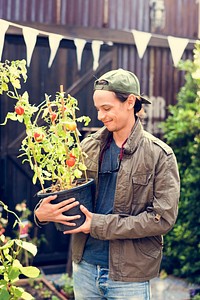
[(92, 282)]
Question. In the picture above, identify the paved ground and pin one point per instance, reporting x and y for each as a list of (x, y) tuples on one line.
[(169, 288)]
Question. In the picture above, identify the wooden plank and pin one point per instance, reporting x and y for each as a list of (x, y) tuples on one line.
[(90, 34)]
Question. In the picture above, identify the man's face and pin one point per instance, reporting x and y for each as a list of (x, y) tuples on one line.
[(114, 114)]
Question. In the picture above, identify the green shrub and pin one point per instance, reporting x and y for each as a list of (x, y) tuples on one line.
[(182, 132)]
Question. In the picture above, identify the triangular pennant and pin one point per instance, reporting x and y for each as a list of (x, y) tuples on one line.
[(4, 27), (54, 42), (177, 47), (141, 41), (96, 45), (80, 44), (30, 37)]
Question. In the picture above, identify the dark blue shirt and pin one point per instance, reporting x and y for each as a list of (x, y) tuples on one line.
[(97, 251)]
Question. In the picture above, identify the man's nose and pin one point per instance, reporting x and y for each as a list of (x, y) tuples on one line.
[(101, 115)]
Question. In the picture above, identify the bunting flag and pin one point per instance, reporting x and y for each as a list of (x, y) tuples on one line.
[(30, 37), (80, 44), (54, 42), (4, 27), (177, 47), (141, 41), (96, 45)]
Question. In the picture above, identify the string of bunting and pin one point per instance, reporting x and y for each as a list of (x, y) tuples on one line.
[(177, 45)]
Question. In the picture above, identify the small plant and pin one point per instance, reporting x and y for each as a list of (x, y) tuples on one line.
[(52, 145), (44, 293), (27, 232), (66, 286), (11, 267)]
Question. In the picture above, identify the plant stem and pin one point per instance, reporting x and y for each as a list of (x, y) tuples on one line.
[(82, 158), (65, 131)]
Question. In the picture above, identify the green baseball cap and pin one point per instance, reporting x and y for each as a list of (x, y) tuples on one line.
[(121, 81)]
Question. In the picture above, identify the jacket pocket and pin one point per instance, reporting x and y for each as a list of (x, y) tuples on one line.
[(142, 187), (150, 246), (141, 179)]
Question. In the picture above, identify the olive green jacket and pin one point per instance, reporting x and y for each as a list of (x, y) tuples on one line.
[(145, 205)]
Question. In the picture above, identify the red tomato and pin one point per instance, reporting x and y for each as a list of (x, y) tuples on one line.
[(53, 116), (71, 155), (38, 137), (19, 110), (71, 161)]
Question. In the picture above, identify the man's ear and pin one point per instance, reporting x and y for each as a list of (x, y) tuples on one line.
[(131, 101)]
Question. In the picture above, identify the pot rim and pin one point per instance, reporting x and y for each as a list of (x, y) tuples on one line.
[(83, 184)]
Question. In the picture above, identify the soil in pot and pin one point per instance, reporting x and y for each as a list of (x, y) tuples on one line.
[(83, 192)]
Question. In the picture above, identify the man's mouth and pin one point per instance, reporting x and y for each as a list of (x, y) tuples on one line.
[(107, 122)]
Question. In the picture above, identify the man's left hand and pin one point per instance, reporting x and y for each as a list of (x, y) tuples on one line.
[(85, 228)]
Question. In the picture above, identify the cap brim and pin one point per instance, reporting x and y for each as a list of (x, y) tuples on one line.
[(145, 101)]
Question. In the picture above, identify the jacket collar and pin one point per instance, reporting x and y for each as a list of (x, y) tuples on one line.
[(134, 138), (131, 145)]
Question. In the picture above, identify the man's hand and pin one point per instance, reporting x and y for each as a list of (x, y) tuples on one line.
[(85, 228), (48, 212)]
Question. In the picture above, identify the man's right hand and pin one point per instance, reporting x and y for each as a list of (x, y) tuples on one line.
[(48, 212)]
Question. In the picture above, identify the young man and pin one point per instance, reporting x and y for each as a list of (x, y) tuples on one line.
[(119, 247)]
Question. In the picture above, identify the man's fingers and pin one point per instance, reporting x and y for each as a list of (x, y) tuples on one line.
[(68, 223), (68, 206), (72, 231), (85, 211), (49, 199), (65, 203)]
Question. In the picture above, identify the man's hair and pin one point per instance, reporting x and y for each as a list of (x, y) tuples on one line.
[(123, 97)]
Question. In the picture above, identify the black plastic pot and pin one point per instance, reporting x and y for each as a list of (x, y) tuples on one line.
[(83, 192)]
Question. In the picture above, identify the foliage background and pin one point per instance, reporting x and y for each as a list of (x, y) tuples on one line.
[(182, 132)]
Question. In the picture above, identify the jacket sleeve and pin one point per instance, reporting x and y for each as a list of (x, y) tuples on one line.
[(156, 219)]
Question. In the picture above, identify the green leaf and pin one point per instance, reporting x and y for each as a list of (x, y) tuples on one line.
[(17, 291), (4, 86), (17, 264), (13, 273), (1, 270), (34, 180), (46, 173), (4, 295), (7, 245), (26, 296), (31, 272), (20, 118), (11, 116), (77, 173), (82, 167), (27, 246)]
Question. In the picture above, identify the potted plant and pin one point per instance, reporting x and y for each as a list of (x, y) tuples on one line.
[(10, 266), (52, 145)]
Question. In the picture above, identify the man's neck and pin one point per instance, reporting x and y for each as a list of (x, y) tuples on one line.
[(121, 136)]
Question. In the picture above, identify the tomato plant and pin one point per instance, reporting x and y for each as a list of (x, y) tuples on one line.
[(53, 149)]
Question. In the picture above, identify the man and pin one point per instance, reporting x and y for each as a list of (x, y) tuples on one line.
[(119, 247)]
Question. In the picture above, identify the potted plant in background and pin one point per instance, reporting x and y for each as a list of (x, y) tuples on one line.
[(17, 280), (52, 145), (10, 266), (27, 232)]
